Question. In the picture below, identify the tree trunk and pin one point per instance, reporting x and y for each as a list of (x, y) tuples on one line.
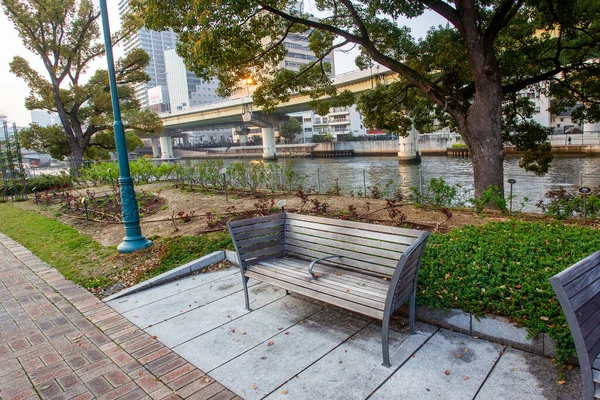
[(76, 158), (482, 131)]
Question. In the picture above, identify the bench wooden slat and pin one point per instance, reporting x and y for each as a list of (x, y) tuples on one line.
[(340, 237), (589, 316), (597, 362), (581, 267), (263, 254), (257, 226), (342, 275), (320, 287), (308, 254), (257, 220), (325, 279), (596, 376), (357, 225), (260, 239), (343, 251), (348, 305), (585, 294), (582, 281), (259, 232), (344, 245), (260, 246), (352, 232)]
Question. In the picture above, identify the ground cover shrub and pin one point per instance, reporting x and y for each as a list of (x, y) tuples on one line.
[(47, 182), (503, 268), (491, 197)]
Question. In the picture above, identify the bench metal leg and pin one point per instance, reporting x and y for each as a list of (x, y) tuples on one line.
[(385, 341), (245, 285), (411, 312)]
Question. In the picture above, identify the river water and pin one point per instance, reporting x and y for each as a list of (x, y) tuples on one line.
[(565, 172)]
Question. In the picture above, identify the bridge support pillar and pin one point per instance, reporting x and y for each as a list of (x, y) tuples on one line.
[(166, 147), (155, 147), (186, 140), (408, 151), (268, 137), (243, 140)]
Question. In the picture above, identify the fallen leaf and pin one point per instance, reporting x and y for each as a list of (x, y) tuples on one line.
[(44, 387), (254, 387), (233, 331), (140, 373), (263, 358), (154, 337), (466, 378), (279, 329), (287, 333), (447, 372), (157, 378), (458, 355), (243, 333), (339, 362), (561, 382), (284, 392), (149, 326), (270, 343)]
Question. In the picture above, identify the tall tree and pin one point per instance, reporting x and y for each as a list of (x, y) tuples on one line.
[(290, 129), (65, 34), (461, 75)]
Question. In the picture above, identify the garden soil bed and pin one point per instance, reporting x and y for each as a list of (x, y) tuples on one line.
[(208, 212)]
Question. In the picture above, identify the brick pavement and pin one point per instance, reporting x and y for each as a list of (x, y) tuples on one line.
[(58, 341)]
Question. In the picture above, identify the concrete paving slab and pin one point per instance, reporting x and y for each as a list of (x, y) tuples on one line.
[(354, 369), (185, 301), (263, 369), (228, 341), (151, 295), (528, 376), (467, 362), (196, 322)]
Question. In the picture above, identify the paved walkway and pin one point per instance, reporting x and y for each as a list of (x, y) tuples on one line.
[(58, 341), (290, 347)]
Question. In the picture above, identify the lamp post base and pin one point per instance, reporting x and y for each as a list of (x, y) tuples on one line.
[(129, 245)]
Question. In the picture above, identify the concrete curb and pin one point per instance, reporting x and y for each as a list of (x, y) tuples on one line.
[(491, 327), (176, 273)]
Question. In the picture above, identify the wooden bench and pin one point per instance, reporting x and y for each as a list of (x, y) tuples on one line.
[(367, 268), (578, 290)]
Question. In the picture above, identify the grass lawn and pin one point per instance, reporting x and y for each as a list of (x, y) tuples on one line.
[(81, 259)]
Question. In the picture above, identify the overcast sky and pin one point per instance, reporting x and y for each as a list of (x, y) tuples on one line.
[(13, 90)]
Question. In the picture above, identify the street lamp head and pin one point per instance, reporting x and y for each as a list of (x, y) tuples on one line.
[(249, 80)]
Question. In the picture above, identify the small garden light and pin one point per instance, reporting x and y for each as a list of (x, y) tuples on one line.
[(584, 191), (511, 182)]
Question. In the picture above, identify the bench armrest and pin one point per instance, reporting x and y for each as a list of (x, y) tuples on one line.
[(312, 264)]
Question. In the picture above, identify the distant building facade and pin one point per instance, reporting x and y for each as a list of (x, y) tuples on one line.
[(155, 44), (44, 118), (185, 88)]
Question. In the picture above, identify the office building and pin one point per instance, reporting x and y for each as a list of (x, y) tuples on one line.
[(155, 44)]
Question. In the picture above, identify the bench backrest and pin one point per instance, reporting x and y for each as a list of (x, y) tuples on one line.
[(578, 290), (368, 248), (258, 238)]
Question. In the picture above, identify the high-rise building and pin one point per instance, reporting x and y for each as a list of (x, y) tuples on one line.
[(185, 88), (155, 44)]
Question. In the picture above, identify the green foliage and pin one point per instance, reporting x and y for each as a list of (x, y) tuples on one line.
[(183, 249), (66, 36), (437, 193), (491, 197), (322, 138), (290, 129), (45, 182), (503, 268), (459, 146), (560, 204)]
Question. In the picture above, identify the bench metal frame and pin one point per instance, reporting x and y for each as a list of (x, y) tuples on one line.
[(397, 294), (578, 290)]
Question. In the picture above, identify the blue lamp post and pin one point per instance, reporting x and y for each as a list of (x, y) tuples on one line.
[(133, 240)]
